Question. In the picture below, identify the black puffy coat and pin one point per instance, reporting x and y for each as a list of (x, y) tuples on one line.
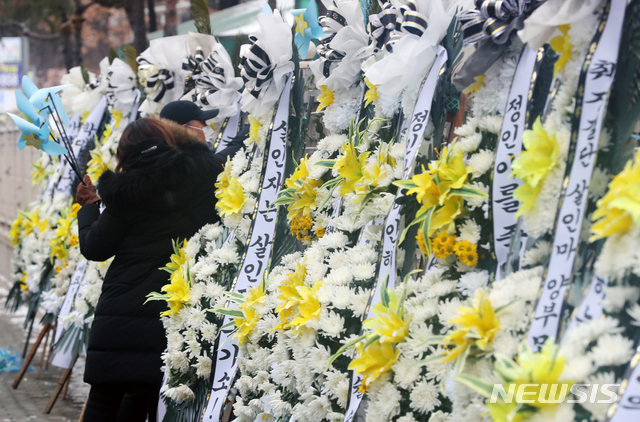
[(169, 196)]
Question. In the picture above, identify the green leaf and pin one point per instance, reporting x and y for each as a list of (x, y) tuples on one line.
[(326, 163), (430, 359), (462, 359), (235, 296), (405, 184), (200, 16), (129, 55), (343, 349), (235, 313), (468, 191), (480, 386)]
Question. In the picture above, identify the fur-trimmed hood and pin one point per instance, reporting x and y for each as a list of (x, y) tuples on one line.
[(169, 182)]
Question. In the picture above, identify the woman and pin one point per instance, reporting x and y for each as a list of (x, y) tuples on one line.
[(162, 190)]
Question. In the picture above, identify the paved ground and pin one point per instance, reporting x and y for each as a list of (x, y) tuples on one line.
[(27, 403)]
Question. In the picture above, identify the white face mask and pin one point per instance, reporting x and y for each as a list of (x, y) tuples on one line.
[(209, 133)]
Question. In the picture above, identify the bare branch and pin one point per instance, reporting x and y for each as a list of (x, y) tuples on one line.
[(24, 30)]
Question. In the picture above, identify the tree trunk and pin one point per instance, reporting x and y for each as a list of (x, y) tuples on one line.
[(135, 14), (171, 19), (153, 24), (76, 24), (67, 42)]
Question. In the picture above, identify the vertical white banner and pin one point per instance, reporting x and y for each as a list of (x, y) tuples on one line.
[(594, 85), (85, 135), (591, 306), (257, 255), (229, 131), (503, 205), (390, 234), (627, 408), (63, 359)]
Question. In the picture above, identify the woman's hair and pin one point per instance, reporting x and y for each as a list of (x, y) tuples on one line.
[(138, 131)]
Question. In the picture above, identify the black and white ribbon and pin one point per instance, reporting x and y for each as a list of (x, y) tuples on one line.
[(491, 18), (387, 26), (331, 23), (210, 78), (157, 82), (256, 68), (192, 66), (591, 100)]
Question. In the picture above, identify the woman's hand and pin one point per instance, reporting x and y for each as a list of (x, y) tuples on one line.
[(86, 193)]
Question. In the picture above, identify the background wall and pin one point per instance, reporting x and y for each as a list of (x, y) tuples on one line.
[(15, 186)]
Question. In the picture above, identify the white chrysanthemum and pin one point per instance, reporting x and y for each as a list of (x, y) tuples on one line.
[(472, 281), (405, 372), (538, 255), (469, 231), (618, 296), (612, 350), (599, 404), (424, 397), (203, 367), (481, 162), (469, 143)]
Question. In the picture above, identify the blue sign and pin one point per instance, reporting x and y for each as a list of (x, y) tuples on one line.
[(10, 75)]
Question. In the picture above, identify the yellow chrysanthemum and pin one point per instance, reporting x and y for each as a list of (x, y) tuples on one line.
[(562, 45), (619, 210), (300, 227), (231, 199), (23, 282), (476, 326), (349, 166), (320, 231), (534, 164), (326, 98), (467, 252), (374, 360), (371, 93)]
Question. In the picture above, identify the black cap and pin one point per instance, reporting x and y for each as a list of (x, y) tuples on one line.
[(183, 112)]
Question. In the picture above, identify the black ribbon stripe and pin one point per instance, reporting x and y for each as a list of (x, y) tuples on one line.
[(256, 68), (390, 24), (491, 18)]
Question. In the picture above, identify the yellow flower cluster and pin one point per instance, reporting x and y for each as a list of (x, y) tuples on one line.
[(534, 164), (619, 210), (440, 191), (25, 224), (443, 245), (326, 98), (246, 323), (350, 167), (476, 326), (37, 174), (177, 291), (254, 130), (229, 191), (562, 45), (301, 228), (63, 239), (391, 327), (299, 303), (541, 372), (301, 192)]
